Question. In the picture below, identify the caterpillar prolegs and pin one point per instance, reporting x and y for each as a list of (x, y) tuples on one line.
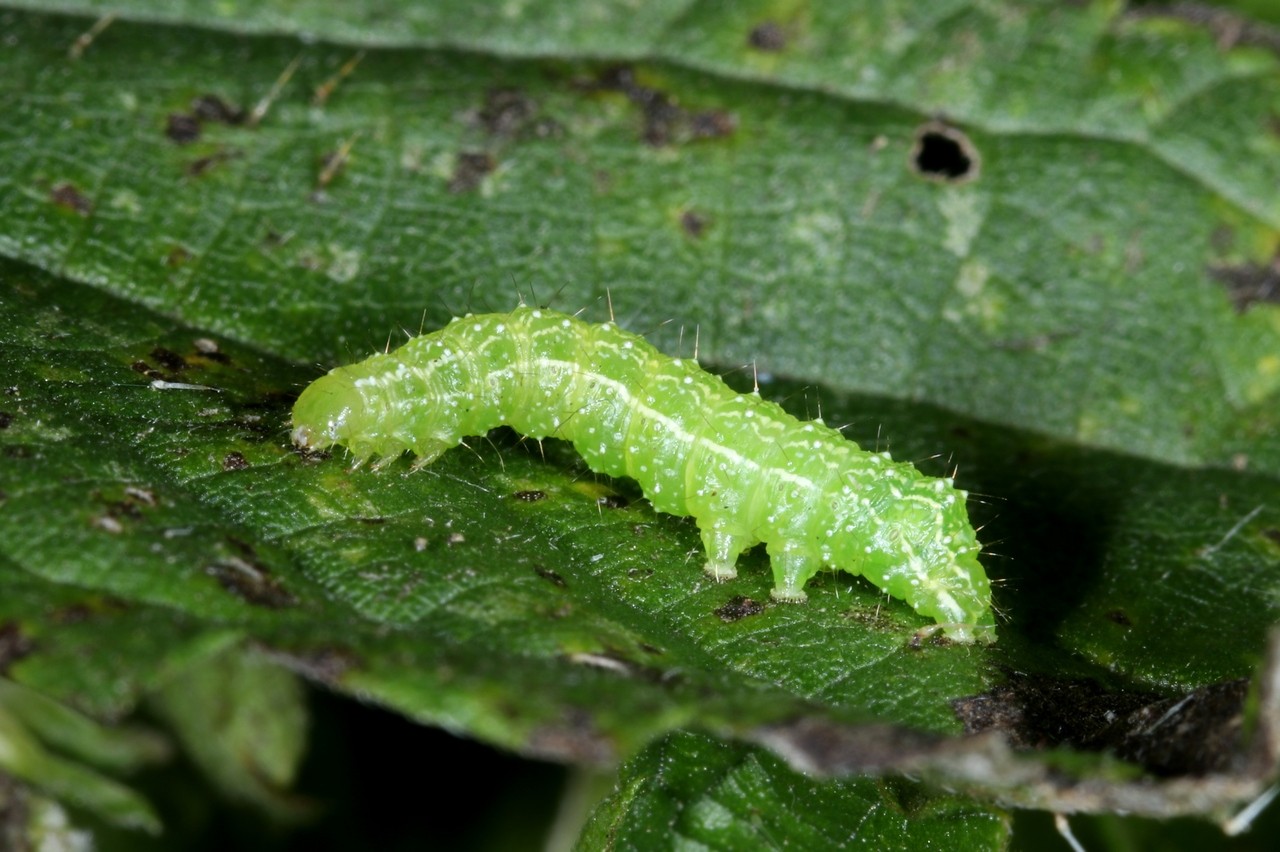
[(743, 468)]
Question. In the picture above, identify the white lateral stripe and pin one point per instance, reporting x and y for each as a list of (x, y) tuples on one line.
[(684, 435)]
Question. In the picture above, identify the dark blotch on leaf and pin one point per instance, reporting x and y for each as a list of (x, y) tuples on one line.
[(169, 359), (6, 419), (738, 608), (470, 171), (177, 257), (1119, 617), (1272, 535), (767, 36), (214, 108), (530, 496), (944, 153), (613, 501), (67, 196), (506, 112), (243, 546), (14, 645), (234, 461), (694, 224), (1249, 284), (712, 124), (1195, 734), (182, 128), (1191, 734), (665, 121), (550, 576)]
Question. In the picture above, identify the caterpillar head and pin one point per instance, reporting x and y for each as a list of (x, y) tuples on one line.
[(333, 410), (937, 554), (922, 548)]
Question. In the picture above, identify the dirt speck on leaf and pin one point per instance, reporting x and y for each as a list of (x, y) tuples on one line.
[(693, 223), (738, 608), (1120, 617), (470, 170), (67, 196), (767, 36), (182, 128), (712, 124), (177, 257), (234, 461), (550, 576)]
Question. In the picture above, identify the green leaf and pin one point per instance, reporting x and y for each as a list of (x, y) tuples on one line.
[(690, 791), (121, 749), (1029, 241), (244, 721), (24, 756)]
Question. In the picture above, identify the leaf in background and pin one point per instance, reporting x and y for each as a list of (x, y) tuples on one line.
[(25, 755), (244, 721), (691, 790)]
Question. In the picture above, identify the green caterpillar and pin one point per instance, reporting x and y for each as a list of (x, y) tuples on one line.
[(741, 466)]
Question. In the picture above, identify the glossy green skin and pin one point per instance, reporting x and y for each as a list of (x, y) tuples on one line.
[(742, 467)]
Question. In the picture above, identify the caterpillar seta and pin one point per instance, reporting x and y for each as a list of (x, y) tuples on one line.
[(743, 468)]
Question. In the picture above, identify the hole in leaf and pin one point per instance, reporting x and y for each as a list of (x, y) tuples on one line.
[(944, 153)]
